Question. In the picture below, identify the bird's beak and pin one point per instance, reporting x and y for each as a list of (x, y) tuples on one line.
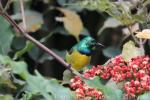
[(99, 44)]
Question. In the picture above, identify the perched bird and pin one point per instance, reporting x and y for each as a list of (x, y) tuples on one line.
[(80, 54)]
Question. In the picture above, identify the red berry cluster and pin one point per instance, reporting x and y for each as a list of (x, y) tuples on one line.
[(135, 74), (139, 81), (82, 90), (103, 72)]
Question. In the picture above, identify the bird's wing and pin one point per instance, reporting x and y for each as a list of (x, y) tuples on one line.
[(77, 60)]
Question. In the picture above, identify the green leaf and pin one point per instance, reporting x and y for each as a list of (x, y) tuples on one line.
[(145, 96), (112, 84), (5, 77), (50, 89), (61, 30), (18, 43), (130, 51), (70, 4), (100, 5), (35, 53), (109, 23), (5, 73), (39, 56), (62, 2), (45, 56), (67, 76), (109, 93), (17, 67), (27, 96), (6, 36), (6, 97), (146, 2), (34, 88), (120, 10), (28, 47), (111, 51)]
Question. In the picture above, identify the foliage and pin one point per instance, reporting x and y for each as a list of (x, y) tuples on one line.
[(49, 88), (119, 10), (6, 34), (27, 72), (128, 48), (33, 19)]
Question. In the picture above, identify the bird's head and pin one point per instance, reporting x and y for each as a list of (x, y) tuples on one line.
[(87, 45)]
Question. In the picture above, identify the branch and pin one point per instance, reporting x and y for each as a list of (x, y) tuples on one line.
[(134, 38), (139, 42), (7, 5), (27, 36), (1, 6), (23, 14)]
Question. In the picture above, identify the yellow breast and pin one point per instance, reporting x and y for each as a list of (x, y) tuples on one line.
[(77, 60)]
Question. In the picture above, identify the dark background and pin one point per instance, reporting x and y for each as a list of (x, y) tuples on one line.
[(92, 21)]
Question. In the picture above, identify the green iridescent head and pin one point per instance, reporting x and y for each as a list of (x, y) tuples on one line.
[(86, 45)]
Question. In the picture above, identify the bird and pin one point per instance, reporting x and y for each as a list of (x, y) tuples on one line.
[(80, 54)]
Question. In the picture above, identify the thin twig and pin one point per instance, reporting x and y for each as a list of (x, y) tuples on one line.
[(1, 6), (142, 45), (7, 5), (139, 42), (27, 36), (135, 39), (23, 14), (123, 39), (144, 41)]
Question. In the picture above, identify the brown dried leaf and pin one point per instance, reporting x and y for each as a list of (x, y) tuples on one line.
[(72, 22), (145, 34), (34, 20)]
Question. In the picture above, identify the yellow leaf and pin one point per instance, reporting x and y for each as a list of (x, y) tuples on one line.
[(145, 34), (72, 22)]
